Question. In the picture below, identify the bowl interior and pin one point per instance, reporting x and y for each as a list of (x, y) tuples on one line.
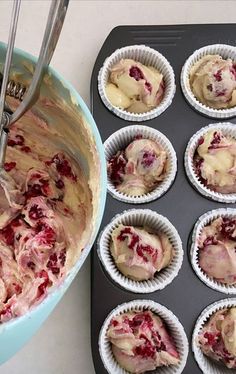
[(81, 139)]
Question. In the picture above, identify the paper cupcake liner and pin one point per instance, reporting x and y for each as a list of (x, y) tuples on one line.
[(157, 223), (226, 51), (204, 220), (207, 365), (149, 57), (171, 321), (228, 129), (120, 140)]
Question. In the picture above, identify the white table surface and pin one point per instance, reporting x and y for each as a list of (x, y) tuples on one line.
[(62, 345)]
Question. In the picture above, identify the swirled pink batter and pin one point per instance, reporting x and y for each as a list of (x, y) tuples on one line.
[(140, 342), (138, 253), (139, 168), (134, 86), (213, 81), (217, 243), (215, 161), (217, 338), (39, 236)]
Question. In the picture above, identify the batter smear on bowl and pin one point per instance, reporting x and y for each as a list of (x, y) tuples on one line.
[(140, 342), (39, 237), (215, 160), (217, 339), (139, 168)]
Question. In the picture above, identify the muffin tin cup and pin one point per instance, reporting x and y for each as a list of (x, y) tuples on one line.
[(224, 50), (207, 365), (157, 223), (149, 57), (174, 326), (228, 129), (120, 140), (203, 221)]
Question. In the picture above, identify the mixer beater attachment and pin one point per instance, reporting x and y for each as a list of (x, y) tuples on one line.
[(54, 24)]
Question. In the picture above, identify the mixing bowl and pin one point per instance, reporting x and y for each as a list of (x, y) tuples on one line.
[(82, 138)]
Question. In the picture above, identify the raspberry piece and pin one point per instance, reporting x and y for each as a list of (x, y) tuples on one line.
[(211, 240), (8, 166), (140, 318), (63, 166), (220, 93), (19, 140), (201, 140), (44, 285), (52, 264), (8, 235), (218, 76), (148, 86), (211, 338), (60, 184), (35, 212), (31, 265), (34, 190), (146, 350), (136, 73), (62, 257), (26, 149), (215, 141), (125, 234), (148, 159), (114, 323), (198, 164), (38, 189)]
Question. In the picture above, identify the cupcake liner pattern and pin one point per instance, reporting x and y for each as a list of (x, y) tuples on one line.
[(207, 365), (156, 222), (148, 57), (120, 140), (172, 322), (204, 220), (228, 129), (226, 51)]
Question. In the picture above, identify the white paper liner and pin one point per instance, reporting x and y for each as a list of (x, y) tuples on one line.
[(149, 57), (120, 140), (207, 365), (174, 326), (203, 221), (157, 223), (228, 129), (226, 51)]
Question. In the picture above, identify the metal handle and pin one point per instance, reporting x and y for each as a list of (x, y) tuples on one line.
[(4, 119), (53, 28), (7, 65)]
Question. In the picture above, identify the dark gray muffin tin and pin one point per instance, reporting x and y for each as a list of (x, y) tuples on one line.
[(186, 296)]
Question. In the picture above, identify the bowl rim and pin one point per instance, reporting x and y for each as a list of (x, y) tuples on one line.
[(102, 194)]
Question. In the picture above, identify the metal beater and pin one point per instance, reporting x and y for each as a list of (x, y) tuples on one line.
[(54, 24)]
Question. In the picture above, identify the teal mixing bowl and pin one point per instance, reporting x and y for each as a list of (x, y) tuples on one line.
[(83, 139)]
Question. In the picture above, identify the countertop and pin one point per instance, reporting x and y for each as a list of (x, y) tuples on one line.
[(62, 345)]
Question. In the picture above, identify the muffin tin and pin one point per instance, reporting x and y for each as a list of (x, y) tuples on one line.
[(187, 295)]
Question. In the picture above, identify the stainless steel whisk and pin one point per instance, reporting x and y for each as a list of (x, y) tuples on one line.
[(55, 21)]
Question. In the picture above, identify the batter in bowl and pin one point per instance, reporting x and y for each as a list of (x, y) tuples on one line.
[(42, 237)]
